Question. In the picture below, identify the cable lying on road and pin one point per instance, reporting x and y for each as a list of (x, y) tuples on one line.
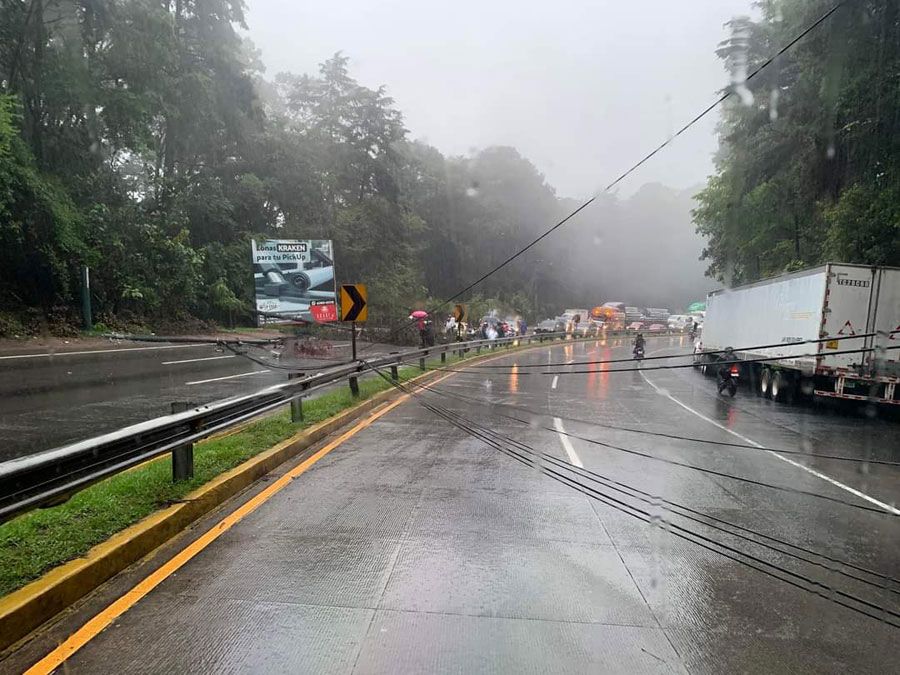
[(676, 437), (536, 461), (430, 390), (282, 366), (713, 472), (723, 362), (175, 339), (552, 364)]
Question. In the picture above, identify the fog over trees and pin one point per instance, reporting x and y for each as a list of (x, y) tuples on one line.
[(145, 140)]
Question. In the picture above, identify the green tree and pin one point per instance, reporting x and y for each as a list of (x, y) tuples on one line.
[(803, 145)]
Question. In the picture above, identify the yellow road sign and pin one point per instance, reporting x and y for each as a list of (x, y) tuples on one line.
[(354, 302), (461, 313)]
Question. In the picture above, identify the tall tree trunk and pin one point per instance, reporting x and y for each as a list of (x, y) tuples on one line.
[(36, 98)]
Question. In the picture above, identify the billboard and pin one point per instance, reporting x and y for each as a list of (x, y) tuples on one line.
[(294, 279)]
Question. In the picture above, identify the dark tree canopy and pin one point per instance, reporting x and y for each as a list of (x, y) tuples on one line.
[(809, 163)]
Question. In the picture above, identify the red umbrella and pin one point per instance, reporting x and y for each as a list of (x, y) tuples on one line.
[(418, 314)]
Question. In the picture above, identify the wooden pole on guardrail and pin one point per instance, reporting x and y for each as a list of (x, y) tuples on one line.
[(183, 455)]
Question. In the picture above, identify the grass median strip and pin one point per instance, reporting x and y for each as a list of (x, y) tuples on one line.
[(40, 540)]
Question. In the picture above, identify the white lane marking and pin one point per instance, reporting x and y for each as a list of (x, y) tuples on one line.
[(555, 382), (99, 351), (206, 358), (566, 443), (229, 377), (817, 474)]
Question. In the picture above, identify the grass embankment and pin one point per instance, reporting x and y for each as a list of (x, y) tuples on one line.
[(43, 539)]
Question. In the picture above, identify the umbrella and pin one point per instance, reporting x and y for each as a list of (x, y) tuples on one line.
[(697, 307), (418, 314)]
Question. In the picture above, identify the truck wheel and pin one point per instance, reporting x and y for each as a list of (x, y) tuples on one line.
[(781, 387), (765, 383)]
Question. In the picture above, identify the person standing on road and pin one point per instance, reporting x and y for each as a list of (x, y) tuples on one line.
[(420, 325)]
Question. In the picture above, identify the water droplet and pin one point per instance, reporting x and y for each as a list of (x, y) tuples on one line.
[(738, 64), (773, 105), (829, 153), (744, 94)]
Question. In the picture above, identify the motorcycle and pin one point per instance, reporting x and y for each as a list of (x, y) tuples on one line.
[(728, 379), (638, 353)]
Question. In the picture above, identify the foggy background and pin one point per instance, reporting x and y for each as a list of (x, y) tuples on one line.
[(582, 91)]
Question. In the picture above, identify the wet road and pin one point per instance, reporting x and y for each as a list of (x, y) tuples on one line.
[(50, 399), (415, 547)]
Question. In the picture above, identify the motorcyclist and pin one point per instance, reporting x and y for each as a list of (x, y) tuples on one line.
[(639, 342), (724, 372)]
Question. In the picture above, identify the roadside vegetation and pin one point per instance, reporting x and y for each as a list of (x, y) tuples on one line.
[(808, 168), (40, 540), (146, 141)]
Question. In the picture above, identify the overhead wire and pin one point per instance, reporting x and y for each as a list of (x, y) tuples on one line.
[(712, 106)]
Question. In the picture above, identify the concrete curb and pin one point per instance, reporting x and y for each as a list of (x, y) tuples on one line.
[(26, 609)]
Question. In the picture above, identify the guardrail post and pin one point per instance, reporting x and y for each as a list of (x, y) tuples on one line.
[(443, 357), (183, 455), (478, 349), (395, 373), (422, 363), (296, 403), (354, 387)]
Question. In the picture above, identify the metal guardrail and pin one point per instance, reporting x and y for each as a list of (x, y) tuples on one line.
[(50, 477)]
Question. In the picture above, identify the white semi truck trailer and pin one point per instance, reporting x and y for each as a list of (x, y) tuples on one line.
[(833, 330)]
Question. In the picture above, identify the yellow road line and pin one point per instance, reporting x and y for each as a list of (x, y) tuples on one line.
[(97, 624), (93, 627)]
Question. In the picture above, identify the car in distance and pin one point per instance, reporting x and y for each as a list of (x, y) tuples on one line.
[(550, 326)]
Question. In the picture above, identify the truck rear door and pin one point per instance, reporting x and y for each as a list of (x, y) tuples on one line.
[(849, 310), (885, 322)]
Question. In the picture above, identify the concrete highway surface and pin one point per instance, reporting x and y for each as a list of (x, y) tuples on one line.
[(423, 545), (49, 399)]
